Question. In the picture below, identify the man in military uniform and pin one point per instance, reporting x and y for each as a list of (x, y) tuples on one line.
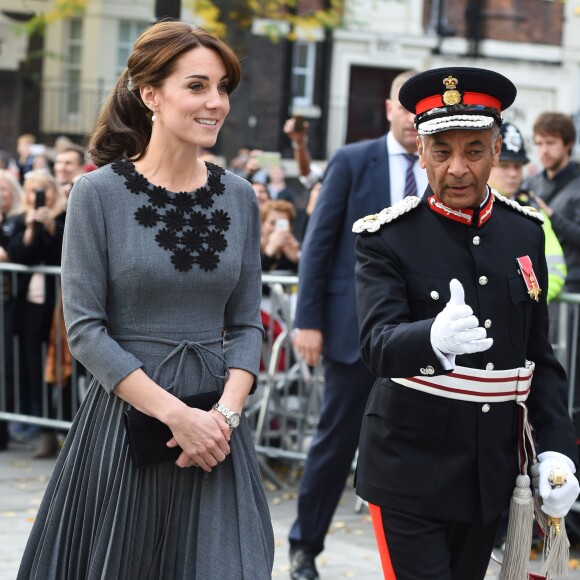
[(454, 323)]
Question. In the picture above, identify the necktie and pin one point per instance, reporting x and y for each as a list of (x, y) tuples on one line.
[(410, 183)]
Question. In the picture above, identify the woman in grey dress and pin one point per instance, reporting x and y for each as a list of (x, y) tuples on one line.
[(161, 288)]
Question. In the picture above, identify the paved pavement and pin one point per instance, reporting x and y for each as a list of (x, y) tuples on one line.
[(350, 546)]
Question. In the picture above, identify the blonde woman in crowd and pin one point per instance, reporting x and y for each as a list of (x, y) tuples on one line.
[(39, 243)]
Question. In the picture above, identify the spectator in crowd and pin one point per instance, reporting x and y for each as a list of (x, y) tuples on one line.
[(237, 164), (279, 248), (61, 143), (450, 296), (278, 187), (11, 225), (42, 163), (360, 178), (506, 178), (68, 164), (6, 161), (262, 193), (25, 156), (39, 243), (253, 170), (309, 174), (557, 187)]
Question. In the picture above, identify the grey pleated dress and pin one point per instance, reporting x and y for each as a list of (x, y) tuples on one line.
[(170, 283)]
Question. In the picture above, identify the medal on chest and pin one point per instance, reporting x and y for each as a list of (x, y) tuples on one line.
[(530, 278)]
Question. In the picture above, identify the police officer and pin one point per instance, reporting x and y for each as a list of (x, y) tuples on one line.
[(454, 323), (506, 177)]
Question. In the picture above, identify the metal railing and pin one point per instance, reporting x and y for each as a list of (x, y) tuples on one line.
[(283, 412), (59, 394)]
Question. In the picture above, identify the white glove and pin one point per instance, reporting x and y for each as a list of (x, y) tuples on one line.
[(455, 329), (557, 500)]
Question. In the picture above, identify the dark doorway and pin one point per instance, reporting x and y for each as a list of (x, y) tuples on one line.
[(368, 91)]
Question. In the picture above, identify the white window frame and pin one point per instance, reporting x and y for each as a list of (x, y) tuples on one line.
[(308, 71), (135, 30), (69, 66)]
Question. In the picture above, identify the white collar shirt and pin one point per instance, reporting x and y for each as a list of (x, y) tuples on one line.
[(398, 170)]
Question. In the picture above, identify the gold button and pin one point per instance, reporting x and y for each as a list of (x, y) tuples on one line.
[(476, 241), (483, 280)]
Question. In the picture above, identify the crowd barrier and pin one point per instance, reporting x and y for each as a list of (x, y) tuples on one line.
[(283, 412)]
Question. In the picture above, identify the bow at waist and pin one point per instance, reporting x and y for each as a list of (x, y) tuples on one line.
[(181, 349)]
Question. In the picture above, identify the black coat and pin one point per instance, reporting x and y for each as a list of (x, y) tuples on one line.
[(430, 455), (45, 249)]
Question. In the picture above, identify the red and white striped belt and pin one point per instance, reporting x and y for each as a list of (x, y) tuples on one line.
[(478, 386)]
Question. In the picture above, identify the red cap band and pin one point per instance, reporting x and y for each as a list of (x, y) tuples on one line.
[(468, 98)]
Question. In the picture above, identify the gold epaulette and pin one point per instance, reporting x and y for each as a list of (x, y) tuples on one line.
[(372, 223), (523, 209)]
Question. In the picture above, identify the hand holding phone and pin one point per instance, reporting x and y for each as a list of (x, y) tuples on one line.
[(299, 123), (282, 224), (39, 198)]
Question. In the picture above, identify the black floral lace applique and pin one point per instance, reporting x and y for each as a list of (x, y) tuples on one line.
[(220, 219), (158, 197), (208, 260), (147, 216), (182, 259), (190, 235), (199, 222)]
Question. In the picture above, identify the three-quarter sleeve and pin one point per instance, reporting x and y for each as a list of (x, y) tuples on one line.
[(84, 288), (243, 330)]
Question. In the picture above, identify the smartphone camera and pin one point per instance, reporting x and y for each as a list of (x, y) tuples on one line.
[(299, 123), (282, 224), (39, 198)]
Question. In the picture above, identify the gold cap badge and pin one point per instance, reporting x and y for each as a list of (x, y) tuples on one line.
[(451, 96)]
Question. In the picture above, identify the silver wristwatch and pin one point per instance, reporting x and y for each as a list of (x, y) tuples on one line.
[(232, 418)]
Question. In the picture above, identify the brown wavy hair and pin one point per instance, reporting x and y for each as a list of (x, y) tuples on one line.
[(556, 125), (123, 128)]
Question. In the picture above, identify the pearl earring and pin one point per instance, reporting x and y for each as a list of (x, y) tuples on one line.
[(153, 118)]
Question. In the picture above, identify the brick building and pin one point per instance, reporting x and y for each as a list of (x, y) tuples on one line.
[(338, 79)]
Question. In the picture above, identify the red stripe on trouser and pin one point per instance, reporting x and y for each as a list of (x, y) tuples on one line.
[(377, 519)]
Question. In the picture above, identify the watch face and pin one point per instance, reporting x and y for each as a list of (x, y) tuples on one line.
[(234, 420)]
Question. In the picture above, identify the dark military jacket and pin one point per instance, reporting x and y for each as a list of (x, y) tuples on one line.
[(435, 456)]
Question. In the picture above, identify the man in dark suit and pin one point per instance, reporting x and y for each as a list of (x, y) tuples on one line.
[(361, 177), (454, 322)]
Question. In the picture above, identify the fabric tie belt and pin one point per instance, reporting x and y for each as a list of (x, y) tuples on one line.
[(181, 348), (478, 386)]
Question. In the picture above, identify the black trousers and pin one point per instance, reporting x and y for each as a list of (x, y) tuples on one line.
[(346, 390), (417, 548)]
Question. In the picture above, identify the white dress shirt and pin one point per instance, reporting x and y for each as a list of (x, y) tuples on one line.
[(398, 170)]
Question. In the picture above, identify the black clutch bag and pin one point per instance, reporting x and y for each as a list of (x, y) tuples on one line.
[(148, 436)]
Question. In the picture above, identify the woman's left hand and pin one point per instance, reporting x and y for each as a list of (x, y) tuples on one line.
[(185, 460)]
